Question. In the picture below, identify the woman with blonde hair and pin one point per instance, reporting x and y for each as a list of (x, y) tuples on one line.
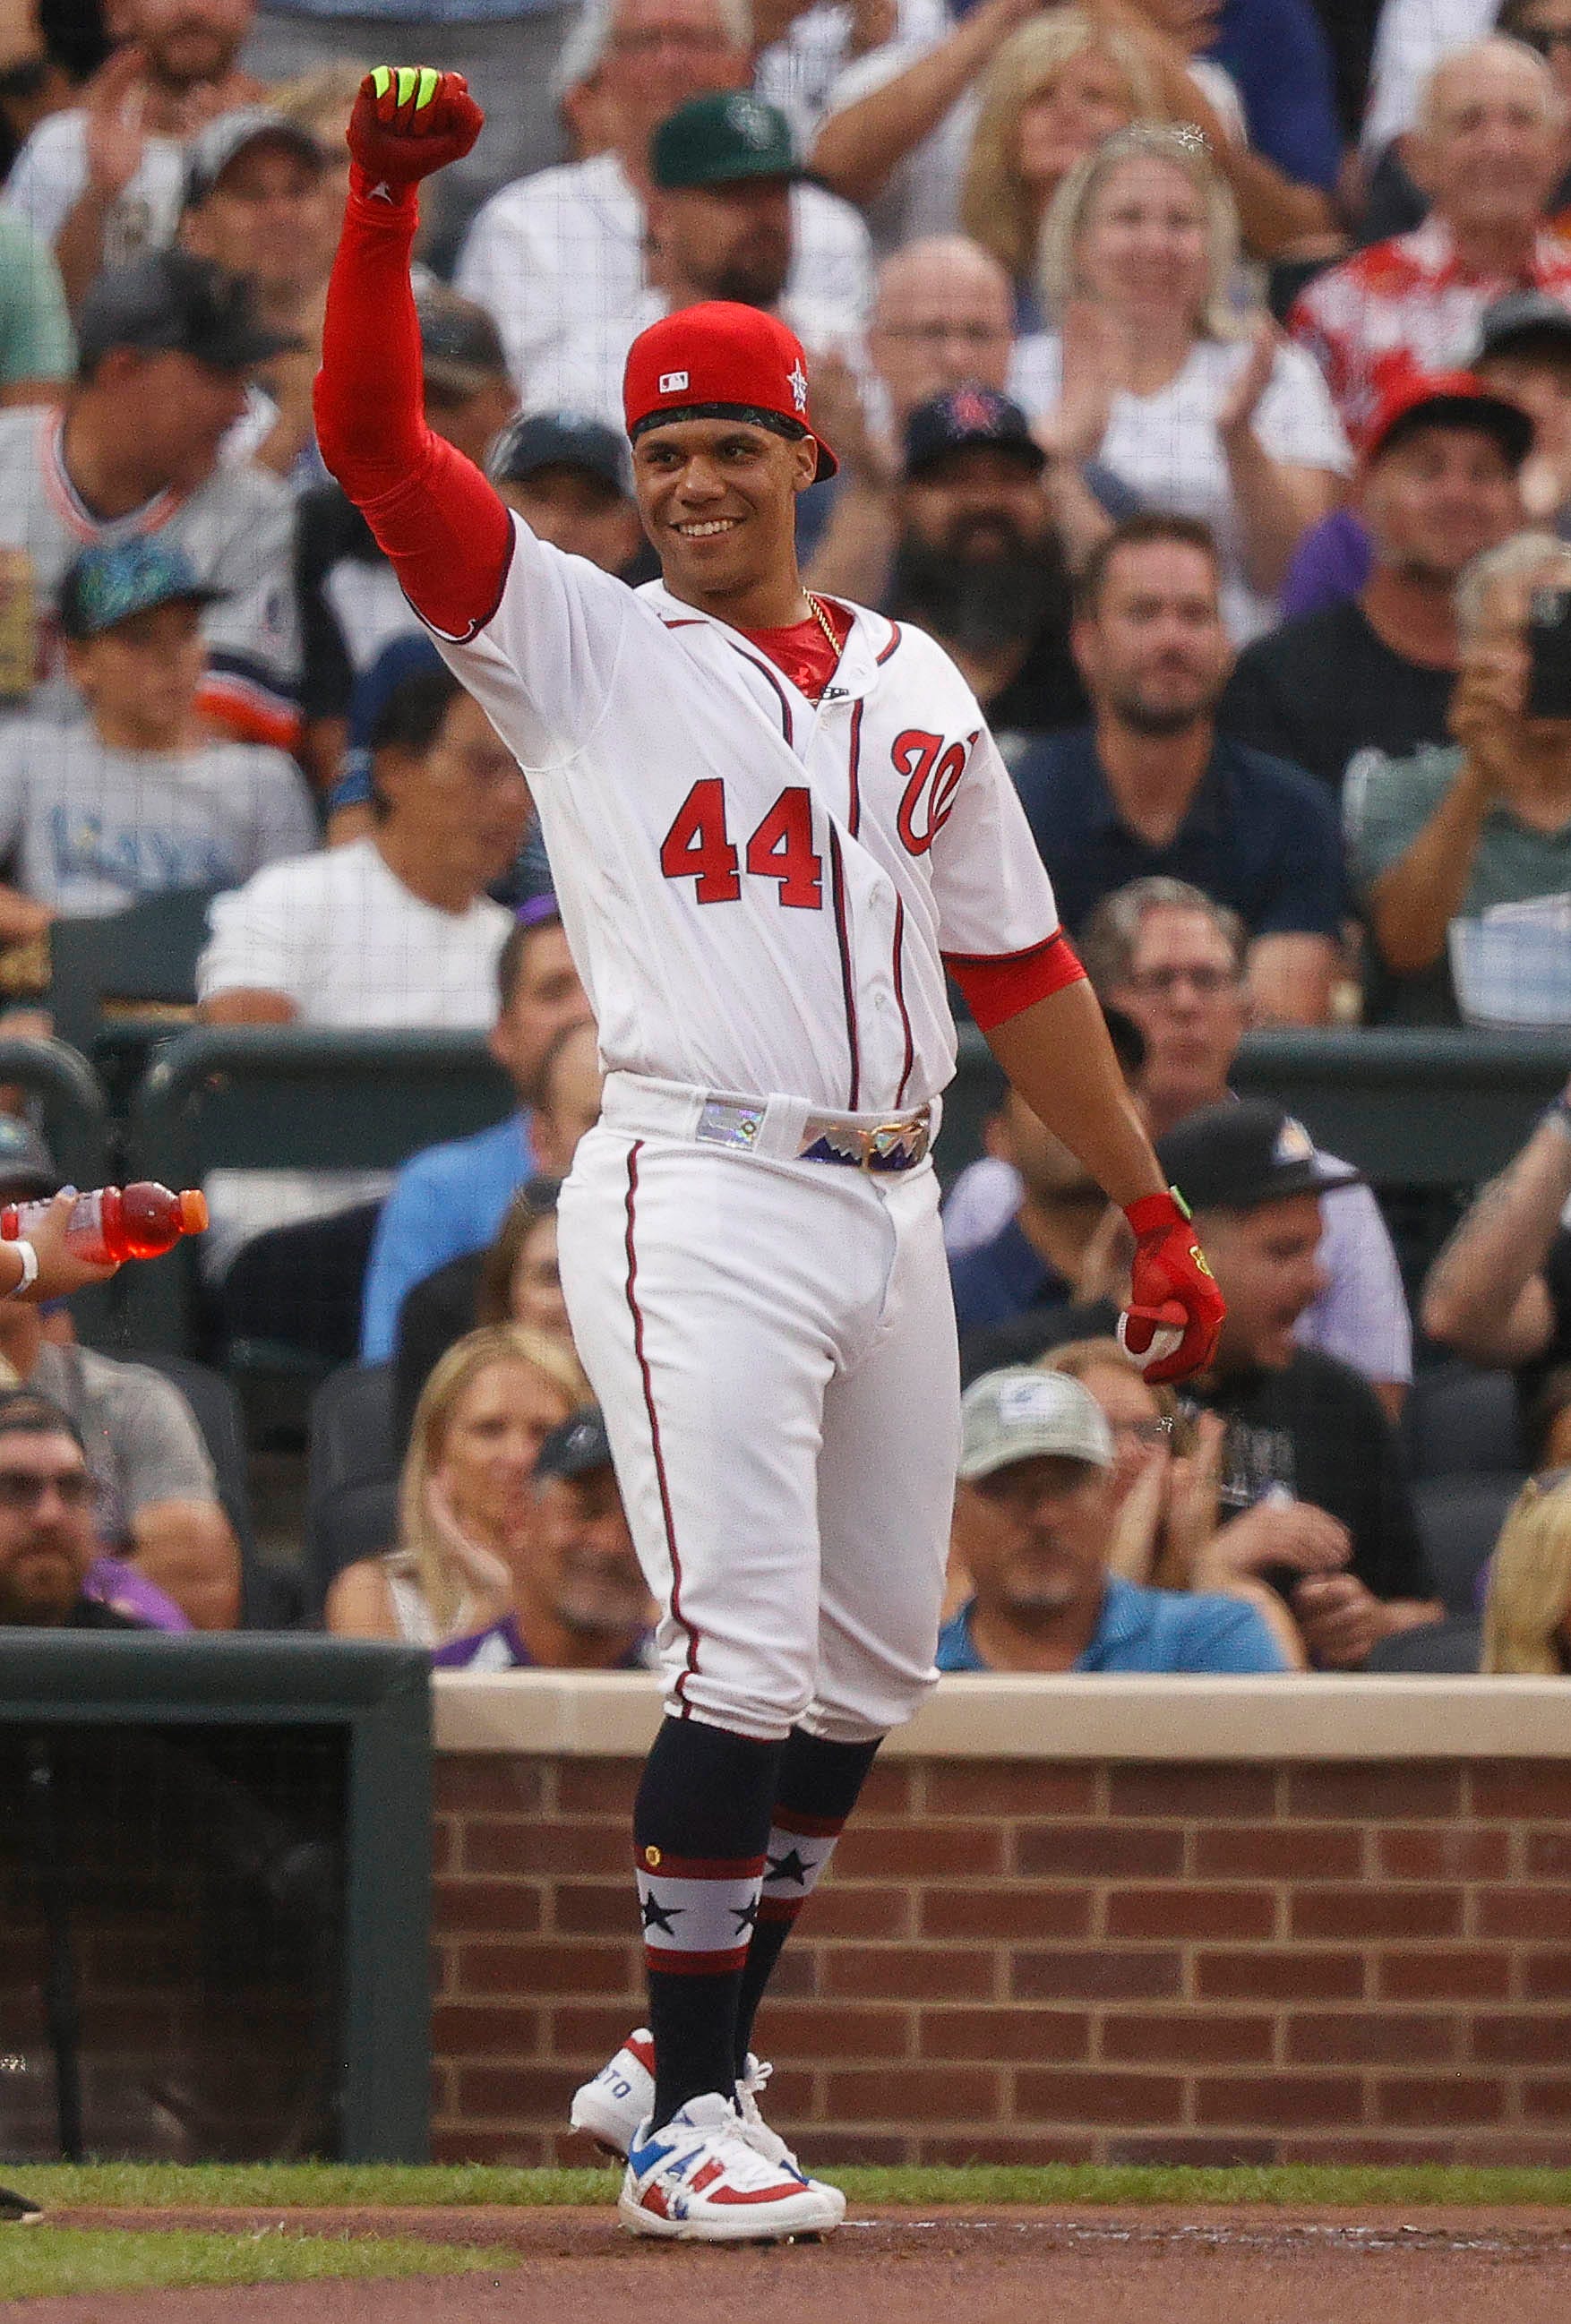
[(1149, 369), (1526, 1611), (1054, 90), (899, 123), (466, 1495)]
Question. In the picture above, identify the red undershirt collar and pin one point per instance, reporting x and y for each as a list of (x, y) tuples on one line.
[(801, 651)]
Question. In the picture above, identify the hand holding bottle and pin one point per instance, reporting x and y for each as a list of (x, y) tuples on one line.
[(108, 1225)]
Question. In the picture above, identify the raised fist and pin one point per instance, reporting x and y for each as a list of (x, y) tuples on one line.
[(409, 120)]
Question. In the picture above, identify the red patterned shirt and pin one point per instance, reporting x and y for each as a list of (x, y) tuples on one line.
[(1407, 305)]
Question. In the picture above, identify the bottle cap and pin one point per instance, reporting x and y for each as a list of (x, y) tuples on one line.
[(193, 1211)]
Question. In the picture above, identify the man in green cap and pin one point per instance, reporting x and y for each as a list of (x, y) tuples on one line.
[(719, 226)]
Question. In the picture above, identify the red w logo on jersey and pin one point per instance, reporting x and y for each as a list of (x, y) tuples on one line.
[(934, 777)]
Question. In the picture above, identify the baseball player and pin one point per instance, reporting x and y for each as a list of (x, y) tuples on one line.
[(774, 822)]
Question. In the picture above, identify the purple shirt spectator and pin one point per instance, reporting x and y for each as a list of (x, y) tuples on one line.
[(1330, 564)]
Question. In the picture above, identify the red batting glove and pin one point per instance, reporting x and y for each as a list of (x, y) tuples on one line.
[(1175, 1310), (409, 120)]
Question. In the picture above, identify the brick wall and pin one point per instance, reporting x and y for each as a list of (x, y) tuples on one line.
[(1020, 1960)]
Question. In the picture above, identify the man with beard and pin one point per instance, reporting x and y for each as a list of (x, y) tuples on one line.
[(979, 565), (719, 227), (104, 181), (1151, 789)]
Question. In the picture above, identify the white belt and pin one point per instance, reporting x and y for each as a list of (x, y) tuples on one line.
[(785, 1128)]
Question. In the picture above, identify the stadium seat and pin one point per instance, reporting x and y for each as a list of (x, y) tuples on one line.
[(1462, 1421), (1442, 1647), (272, 1597), (355, 1521), (141, 961), (351, 1470), (290, 1098), (1459, 1522)]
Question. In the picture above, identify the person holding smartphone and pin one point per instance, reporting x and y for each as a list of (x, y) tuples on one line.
[(1454, 831)]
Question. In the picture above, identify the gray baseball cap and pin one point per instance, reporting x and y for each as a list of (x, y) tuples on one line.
[(1019, 1413), (212, 149), (460, 344), (27, 1167), (177, 301)]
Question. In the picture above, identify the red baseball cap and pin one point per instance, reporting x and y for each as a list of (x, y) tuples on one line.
[(1446, 399), (720, 361)]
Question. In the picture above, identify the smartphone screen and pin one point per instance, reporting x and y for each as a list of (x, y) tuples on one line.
[(1549, 654)]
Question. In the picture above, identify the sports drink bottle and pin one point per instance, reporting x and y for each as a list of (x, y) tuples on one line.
[(141, 1221)]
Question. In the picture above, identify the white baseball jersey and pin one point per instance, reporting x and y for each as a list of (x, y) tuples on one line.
[(760, 891), (238, 530)]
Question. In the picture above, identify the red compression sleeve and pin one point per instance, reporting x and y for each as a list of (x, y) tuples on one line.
[(996, 989), (447, 534)]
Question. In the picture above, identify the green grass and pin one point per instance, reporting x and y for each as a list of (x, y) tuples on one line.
[(289, 2185), (36, 2261)]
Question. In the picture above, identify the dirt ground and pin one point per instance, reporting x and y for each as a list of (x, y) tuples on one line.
[(1009, 2266)]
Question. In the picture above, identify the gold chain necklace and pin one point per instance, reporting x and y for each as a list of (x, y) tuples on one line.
[(823, 621)]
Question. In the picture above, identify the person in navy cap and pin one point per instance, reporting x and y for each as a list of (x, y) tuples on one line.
[(568, 476), (979, 562)]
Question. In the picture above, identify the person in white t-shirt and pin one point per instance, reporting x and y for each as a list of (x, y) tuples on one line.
[(102, 181), (392, 930), (563, 252), (137, 797), (1196, 409)]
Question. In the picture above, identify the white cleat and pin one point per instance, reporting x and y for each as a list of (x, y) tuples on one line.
[(610, 2109), (701, 2180)]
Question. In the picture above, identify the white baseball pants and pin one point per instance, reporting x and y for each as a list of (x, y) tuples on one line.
[(772, 1342)]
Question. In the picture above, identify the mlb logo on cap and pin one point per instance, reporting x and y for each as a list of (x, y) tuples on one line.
[(720, 358)]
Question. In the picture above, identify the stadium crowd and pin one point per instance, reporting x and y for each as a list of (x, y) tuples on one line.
[(1200, 374)]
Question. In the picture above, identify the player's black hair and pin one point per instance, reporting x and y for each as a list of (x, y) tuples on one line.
[(777, 422)]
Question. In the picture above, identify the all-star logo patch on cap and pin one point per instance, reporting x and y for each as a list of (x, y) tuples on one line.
[(721, 361), (1245, 1152)]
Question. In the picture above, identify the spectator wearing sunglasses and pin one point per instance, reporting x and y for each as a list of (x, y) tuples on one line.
[(46, 1547)]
